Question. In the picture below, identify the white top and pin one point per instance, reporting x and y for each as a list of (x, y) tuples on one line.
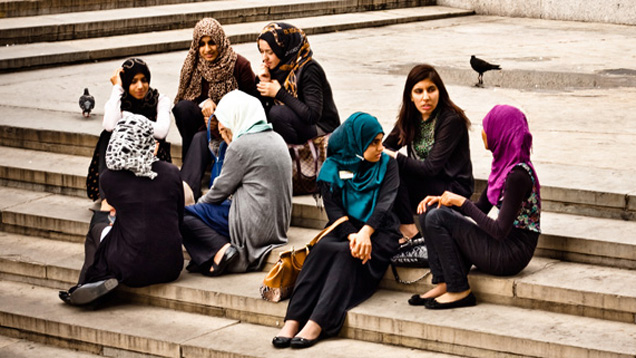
[(113, 112)]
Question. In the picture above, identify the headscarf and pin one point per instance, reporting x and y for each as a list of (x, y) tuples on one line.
[(241, 113), (218, 73), (146, 106), (131, 146), (290, 45), (345, 151), (510, 141)]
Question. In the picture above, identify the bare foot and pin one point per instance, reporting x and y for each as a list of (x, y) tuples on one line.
[(219, 255), (452, 296), (289, 330), (437, 291), (310, 331)]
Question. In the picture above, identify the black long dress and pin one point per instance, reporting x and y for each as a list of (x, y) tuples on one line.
[(144, 245), (332, 281)]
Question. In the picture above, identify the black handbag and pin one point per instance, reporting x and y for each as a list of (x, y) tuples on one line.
[(412, 253)]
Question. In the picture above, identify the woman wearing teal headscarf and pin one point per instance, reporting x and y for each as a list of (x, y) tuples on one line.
[(236, 235), (358, 181)]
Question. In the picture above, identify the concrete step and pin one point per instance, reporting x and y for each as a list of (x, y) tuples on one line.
[(19, 347), (128, 330), (54, 172), (575, 238), (484, 330), (103, 23), (82, 50), (22, 8), (546, 284)]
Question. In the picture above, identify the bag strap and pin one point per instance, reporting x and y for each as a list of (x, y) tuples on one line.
[(327, 230), (399, 280)]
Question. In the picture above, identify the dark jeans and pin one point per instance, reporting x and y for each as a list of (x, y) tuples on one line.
[(189, 121), (292, 128), (202, 243), (411, 191), (455, 244)]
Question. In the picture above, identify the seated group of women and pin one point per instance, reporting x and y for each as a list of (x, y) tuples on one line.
[(226, 113)]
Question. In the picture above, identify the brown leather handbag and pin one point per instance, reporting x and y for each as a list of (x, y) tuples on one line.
[(279, 282)]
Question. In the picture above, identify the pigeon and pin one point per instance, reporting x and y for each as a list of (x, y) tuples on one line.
[(86, 103), (481, 66)]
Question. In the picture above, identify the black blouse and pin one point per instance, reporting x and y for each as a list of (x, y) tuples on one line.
[(449, 159)]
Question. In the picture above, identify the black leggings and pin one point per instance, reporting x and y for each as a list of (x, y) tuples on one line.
[(189, 121), (454, 244), (292, 128)]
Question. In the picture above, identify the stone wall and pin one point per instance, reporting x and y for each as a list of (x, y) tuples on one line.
[(609, 11)]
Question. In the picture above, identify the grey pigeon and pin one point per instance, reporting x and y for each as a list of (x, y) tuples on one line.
[(86, 103), (481, 66)]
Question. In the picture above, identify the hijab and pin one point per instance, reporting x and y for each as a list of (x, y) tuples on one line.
[(218, 73), (242, 114), (345, 152), (290, 45), (510, 141), (146, 106), (131, 146)]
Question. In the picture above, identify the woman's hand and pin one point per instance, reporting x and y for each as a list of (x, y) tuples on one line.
[(391, 153), (446, 199), (207, 109), (268, 89), (360, 245), (116, 78), (263, 74)]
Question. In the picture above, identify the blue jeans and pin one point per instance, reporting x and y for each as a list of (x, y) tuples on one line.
[(455, 243)]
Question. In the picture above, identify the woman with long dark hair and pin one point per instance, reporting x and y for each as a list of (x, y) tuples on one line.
[(435, 132)]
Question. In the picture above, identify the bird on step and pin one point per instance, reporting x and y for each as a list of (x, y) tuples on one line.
[(481, 66), (86, 103)]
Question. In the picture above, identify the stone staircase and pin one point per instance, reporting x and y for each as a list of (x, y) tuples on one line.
[(577, 298)]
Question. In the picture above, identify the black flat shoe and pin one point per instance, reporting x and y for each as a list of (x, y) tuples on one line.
[(65, 296), (281, 342), (229, 256), (416, 300), (464, 302), (89, 292), (300, 343)]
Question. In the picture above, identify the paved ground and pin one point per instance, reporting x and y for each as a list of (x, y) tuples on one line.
[(565, 76)]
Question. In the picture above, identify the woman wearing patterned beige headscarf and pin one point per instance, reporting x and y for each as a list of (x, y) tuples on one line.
[(293, 87), (211, 69)]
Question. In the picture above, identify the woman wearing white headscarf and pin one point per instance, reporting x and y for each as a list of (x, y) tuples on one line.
[(235, 235)]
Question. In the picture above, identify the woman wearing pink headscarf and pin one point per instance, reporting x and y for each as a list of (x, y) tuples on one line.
[(501, 246)]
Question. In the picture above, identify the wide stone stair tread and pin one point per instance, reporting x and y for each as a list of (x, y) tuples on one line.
[(580, 289), (160, 331), (49, 53), (22, 8), (73, 25), (489, 328), (21, 348), (577, 238)]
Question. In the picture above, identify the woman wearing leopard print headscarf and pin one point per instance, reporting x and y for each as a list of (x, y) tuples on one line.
[(211, 69)]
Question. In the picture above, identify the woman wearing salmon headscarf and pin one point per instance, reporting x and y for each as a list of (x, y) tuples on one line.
[(501, 246), (293, 86)]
